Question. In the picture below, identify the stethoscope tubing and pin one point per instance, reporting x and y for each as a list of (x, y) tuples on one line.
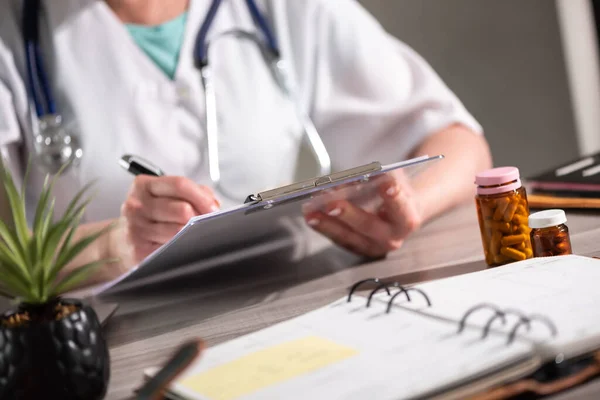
[(38, 80), (200, 46)]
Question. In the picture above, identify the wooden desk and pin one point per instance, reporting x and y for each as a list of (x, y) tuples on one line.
[(222, 304)]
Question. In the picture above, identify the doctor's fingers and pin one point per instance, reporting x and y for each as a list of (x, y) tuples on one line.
[(346, 237), (365, 223), (400, 210), (139, 247), (158, 209), (151, 231), (178, 187), (142, 250)]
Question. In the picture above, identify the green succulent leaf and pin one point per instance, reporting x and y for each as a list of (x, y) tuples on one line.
[(18, 213), (25, 180), (30, 262), (53, 271), (39, 213), (73, 251), (42, 204), (42, 207), (44, 212), (34, 256), (8, 257), (45, 226), (38, 271), (12, 267), (49, 252), (52, 240), (6, 292), (13, 284), (71, 210), (77, 276), (10, 246)]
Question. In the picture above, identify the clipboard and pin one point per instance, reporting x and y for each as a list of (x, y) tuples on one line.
[(266, 221)]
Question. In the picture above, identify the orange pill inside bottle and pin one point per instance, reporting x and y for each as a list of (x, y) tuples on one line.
[(549, 233), (503, 212)]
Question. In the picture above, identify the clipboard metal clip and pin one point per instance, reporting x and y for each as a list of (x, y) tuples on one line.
[(313, 183)]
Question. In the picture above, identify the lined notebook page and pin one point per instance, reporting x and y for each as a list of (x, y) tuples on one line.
[(566, 289), (346, 350)]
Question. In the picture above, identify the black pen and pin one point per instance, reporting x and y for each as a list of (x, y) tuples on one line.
[(138, 166)]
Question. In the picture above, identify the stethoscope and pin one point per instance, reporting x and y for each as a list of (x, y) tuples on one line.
[(56, 146)]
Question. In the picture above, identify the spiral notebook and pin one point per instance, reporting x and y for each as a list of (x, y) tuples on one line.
[(451, 338)]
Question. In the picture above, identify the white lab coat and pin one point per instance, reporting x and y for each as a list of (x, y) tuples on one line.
[(370, 96)]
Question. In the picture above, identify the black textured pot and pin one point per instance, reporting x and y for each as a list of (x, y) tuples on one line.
[(53, 356)]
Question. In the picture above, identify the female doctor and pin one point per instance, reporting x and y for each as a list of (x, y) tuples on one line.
[(173, 83)]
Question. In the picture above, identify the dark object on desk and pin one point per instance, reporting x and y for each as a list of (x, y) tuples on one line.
[(55, 350), (154, 388), (552, 378), (577, 178), (572, 185)]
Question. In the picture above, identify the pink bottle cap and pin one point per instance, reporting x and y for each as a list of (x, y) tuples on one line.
[(503, 179)]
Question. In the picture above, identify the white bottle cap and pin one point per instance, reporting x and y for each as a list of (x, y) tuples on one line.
[(547, 218)]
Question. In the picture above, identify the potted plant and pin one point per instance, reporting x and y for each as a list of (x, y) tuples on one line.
[(51, 347)]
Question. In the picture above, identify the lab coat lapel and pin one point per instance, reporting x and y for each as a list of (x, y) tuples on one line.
[(124, 40)]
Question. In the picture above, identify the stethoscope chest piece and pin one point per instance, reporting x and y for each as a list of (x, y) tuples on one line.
[(55, 146)]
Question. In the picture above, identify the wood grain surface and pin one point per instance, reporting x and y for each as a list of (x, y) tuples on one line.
[(233, 300), (548, 201)]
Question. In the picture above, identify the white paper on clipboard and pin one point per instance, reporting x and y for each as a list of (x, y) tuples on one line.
[(262, 224)]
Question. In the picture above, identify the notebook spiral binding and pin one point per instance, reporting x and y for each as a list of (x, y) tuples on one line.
[(500, 314), (387, 286)]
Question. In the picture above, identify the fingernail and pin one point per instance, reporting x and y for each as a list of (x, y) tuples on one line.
[(391, 191), (335, 212), (313, 222), (214, 208)]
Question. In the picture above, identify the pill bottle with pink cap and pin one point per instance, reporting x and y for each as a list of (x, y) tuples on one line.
[(503, 214)]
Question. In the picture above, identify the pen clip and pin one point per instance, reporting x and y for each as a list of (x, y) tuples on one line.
[(315, 182)]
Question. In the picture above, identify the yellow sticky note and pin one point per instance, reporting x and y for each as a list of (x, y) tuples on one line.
[(266, 367)]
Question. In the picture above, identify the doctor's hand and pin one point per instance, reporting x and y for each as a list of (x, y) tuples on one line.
[(157, 208), (367, 234)]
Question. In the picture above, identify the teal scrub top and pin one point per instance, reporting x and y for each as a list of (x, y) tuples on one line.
[(162, 43)]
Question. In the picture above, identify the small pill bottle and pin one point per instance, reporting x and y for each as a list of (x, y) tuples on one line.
[(503, 212), (549, 233)]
